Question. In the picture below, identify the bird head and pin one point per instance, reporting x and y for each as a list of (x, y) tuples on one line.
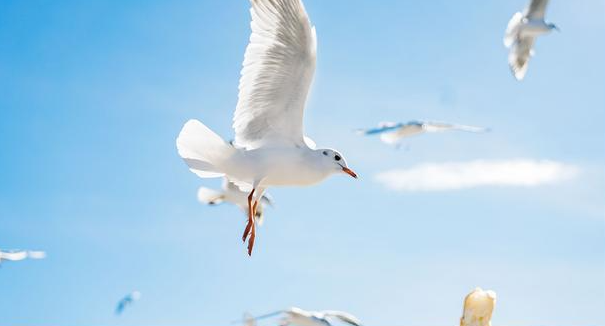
[(335, 162), (552, 26)]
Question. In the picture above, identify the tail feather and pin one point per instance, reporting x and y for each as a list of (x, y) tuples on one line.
[(202, 149)]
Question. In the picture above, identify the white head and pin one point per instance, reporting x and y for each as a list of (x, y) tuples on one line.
[(334, 162)]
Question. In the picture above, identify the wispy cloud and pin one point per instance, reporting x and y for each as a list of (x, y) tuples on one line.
[(477, 173)]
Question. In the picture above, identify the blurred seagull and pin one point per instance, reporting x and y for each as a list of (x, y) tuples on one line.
[(478, 308), (127, 301), (297, 316), (392, 133), (521, 33), (16, 255), (270, 148), (12, 255), (231, 193)]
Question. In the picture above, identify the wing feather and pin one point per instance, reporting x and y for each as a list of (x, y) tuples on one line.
[(536, 9), (518, 56), (277, 72)]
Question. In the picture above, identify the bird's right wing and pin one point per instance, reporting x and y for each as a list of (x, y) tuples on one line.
[(384, 127), (209, 196), (519, 55), (277, 72), (344, 316), (536, 9)]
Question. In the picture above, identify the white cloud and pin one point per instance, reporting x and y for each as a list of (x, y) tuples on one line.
[(477, 173)]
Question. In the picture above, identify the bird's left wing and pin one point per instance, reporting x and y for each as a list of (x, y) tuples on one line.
[(344, 316), (384, 127), (519, 55), (536, 9), (277, 72)]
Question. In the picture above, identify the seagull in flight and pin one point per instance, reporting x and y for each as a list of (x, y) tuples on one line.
[(297, 316), (392, 133), (521, 33), (478, 308), (12, 255), (270, 147), (126, 301), (231, 193), (16, 255)]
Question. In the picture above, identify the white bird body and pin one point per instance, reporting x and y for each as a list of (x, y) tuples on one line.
[(521, 33), (12, 255), (16, 255), (270, 146)]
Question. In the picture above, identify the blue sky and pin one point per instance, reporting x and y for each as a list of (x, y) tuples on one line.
[(94, 93)]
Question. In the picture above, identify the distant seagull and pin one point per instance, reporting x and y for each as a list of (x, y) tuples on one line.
[(127, 301), (478, 308), (12, 255), (16, 255), (231, 193), (271, 148), (392, 133), (297, 316), (521, 34)]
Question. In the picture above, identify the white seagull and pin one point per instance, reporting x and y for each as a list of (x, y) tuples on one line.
[(392, 133), (231, 193), (126, 301), (12, 255), (16, 255), (521, 33), (297, 316), (270, 147), (478, 308)]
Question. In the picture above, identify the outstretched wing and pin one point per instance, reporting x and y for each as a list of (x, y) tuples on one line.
[(519, 55), (384, 127), (277, 72), (442, 126), (536, 9), (344, 316)]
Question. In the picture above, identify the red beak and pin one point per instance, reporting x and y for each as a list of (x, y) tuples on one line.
[(349, 172)]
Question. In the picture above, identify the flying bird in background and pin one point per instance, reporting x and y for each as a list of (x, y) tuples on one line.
[(270, 148), (231, 193), (478, 308), (126, 301), (297, 316), (12, 255), (16, 255), (392, 133), (521, 33)]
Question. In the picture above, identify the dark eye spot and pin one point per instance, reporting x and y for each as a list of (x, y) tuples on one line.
[(325, 153), (337, 157)]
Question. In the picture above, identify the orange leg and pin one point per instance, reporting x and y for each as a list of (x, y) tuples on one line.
[(250, 217), (251, 226)]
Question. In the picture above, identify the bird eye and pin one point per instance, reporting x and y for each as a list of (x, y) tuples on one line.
[(325, 153), (337, 157)]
